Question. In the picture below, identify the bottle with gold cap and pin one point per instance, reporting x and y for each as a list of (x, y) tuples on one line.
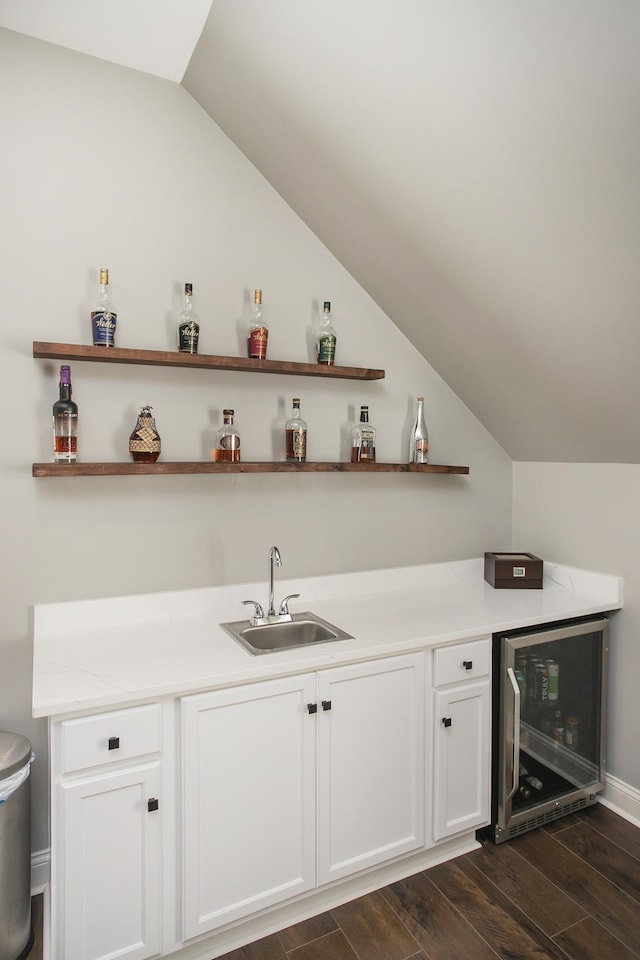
[(104, 316), (258, 331)]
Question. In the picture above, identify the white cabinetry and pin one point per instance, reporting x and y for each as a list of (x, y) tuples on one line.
[(106, 835), (248, 799), (253, 806), (461, 724), (370, 764)]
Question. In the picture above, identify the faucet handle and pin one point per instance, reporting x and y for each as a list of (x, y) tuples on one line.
[(258, 613), (284, 606)]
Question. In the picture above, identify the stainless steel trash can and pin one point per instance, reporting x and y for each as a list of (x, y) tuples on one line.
[(16, 935)]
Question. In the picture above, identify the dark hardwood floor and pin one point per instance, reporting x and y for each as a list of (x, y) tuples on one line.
[(568, 891)]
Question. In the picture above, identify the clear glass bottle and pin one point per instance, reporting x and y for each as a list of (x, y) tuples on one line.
[(227, 441), (104, 317), (326, 343), (419, 450), (296, 435), (363, 440), (188, 326), (65, 422), (259, 331), (144, 442)]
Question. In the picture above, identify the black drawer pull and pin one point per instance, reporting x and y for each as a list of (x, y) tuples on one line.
[(152, 804), (467, 664), (326, 704), (446, 721), (114, 743), (312, 707)]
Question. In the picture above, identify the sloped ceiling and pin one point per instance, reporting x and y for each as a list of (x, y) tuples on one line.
[(155, 36), (476, 167)]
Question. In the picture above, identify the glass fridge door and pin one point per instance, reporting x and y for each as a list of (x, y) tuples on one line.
[(553, 708)]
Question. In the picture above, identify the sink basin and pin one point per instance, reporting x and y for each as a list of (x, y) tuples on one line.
[(303, 630)]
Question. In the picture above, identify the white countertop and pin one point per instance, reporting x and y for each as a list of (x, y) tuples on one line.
[(110, 652)]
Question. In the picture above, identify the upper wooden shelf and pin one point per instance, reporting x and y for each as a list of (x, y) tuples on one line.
[(168, 358), (163, 468)]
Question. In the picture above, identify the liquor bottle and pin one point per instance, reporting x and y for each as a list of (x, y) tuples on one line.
[(144, 442), (419, 451), (188, 326), (227, 441), (326, 343), (65, 422), (104, 316), (363, 440), (258, 332), (296, 435)]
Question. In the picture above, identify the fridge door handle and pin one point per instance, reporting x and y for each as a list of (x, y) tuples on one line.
[(515, 771)]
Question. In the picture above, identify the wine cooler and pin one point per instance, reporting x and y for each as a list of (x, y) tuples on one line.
[(549, 694)]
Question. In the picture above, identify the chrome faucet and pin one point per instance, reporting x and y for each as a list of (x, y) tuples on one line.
[(259, 619), (274, 561)]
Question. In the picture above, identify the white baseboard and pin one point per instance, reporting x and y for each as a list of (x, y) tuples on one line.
[(40, 870), (622, 799)]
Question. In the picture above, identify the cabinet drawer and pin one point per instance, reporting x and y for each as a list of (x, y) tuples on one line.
[(108, 737), (461, 661)]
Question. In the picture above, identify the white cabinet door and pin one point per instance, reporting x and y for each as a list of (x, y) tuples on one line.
[(370, 764), (248, 799), (461, 761), (110, 872)]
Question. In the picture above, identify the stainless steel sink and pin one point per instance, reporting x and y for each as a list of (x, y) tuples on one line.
[(303, 630)]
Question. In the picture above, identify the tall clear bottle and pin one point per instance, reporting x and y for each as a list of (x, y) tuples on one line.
[(363, 440), (419, 451), (258, 332), (326, 342), (188, 326), (65, 422), (296, 435), (104, 317), (227, 441)]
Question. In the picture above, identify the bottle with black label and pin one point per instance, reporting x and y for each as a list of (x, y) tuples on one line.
[(188, 326), (65, 421), (363, 440)]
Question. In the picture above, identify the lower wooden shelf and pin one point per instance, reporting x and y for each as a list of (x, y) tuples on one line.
[(164, 468)]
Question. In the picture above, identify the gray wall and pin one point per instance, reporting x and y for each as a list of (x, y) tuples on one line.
[(101, 165), (587, 515)]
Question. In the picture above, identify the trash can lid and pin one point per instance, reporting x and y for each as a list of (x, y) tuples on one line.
[(15, 751)]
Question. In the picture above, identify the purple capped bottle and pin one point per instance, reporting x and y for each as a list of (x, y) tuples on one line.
[(65, 421)]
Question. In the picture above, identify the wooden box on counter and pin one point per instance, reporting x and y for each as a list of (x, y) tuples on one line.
[(515, 571)]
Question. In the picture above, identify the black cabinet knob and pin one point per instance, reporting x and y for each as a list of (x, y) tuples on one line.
[(446, 721), (114, 743), (312, 707), (152, 804), (326, 704), (467, 664)]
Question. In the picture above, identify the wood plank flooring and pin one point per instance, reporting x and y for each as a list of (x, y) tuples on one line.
[(568, 891)]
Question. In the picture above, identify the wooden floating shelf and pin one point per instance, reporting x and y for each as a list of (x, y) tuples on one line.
[(168, 358), (131, 469)]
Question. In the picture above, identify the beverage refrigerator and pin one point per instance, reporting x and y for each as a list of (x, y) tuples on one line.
[(549, 708)]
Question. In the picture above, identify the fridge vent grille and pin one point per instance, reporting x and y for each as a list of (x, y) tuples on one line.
[(549, 817)]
